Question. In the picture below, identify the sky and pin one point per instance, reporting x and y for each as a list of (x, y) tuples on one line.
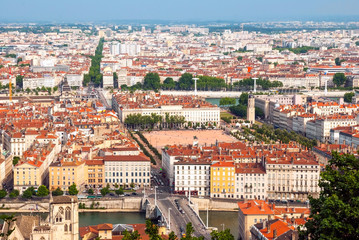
[(176, 10)]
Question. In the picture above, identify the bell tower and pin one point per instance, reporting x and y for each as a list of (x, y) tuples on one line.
[(251, 109), (64, 218)]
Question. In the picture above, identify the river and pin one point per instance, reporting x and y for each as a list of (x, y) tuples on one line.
[(215, 219), (215, 101)]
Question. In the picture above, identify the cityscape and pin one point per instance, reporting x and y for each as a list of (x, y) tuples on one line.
[(223, 128)]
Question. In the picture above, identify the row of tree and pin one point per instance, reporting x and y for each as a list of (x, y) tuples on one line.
[(205, 83), (153, 121), (94, 74), (248, 83)]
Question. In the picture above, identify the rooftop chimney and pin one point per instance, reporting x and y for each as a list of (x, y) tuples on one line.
[(274, 233), (268, 228)]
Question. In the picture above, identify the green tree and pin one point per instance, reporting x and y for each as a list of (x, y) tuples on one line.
[(15, 160), (105, 191), (338, 62), (243, 99), (186, 82), (152, 230), (3, 193), (27, 193), (115, 80), (14, 193), (172, 236), (73, 190), (119, 191), (348, 97), (57, 192), (259, 112), (90, 191), (339, 79), (131, 235), (169, 84), (19, 81), (222, 235), (42, 191), (152, 81), (227, 101), (335, 214)]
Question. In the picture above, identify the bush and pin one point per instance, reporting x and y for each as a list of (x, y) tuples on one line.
[(119, 191), (90, 191), (105, 191), (73, 190), (57, 192), (14, 193), (42, 191), (28, 193), (3, 193)]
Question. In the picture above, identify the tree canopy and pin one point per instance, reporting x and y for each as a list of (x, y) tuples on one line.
[(42, 191), (227, 101), (348, 97), (152, 81), (169, 84), (186, 82), (73, 189), (339, 79), (335, 214), (57, 192)]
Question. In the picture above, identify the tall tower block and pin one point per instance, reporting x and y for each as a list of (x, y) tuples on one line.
[(251, 109)]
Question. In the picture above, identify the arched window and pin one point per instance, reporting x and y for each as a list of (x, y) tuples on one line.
[(42, 238), (70, 228), (68, 214), (65, 228)]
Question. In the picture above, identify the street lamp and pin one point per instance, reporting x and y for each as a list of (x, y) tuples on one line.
[(156, 195), (222, 227), (169, 218)]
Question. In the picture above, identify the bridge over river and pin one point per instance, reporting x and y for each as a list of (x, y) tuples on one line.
[(163, 205)]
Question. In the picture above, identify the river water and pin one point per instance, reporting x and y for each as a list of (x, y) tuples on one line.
[(215, 219), (216, 101)]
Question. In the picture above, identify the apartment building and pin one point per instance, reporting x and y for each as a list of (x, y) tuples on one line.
[(320, 127), (292, 175), (250, 181), (94, 173), (192, 175), (126, 170), (223, 180), (33, 168), (65, 172), (250, 213)]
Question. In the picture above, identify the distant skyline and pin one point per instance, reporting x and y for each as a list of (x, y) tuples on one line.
[(180, 10)]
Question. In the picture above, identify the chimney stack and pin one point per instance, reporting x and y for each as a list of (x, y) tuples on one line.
[(268, 228), (274, 233)]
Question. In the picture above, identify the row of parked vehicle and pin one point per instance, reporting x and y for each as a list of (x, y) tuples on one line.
[(178, 206), (286, 201)]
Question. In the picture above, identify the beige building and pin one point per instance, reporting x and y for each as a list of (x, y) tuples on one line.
[(64, 173), (250, 213), (94, 173), (62, 224), (33, 169)]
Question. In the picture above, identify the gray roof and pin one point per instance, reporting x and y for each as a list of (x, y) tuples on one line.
[(25, 223), (64, 199)]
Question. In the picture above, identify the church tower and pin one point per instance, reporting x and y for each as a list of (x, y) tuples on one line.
[(251, 109), (64, 218)]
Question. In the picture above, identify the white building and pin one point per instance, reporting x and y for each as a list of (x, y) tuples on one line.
[(292, 176), (192, 175), (127, 169), (250, 181)]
